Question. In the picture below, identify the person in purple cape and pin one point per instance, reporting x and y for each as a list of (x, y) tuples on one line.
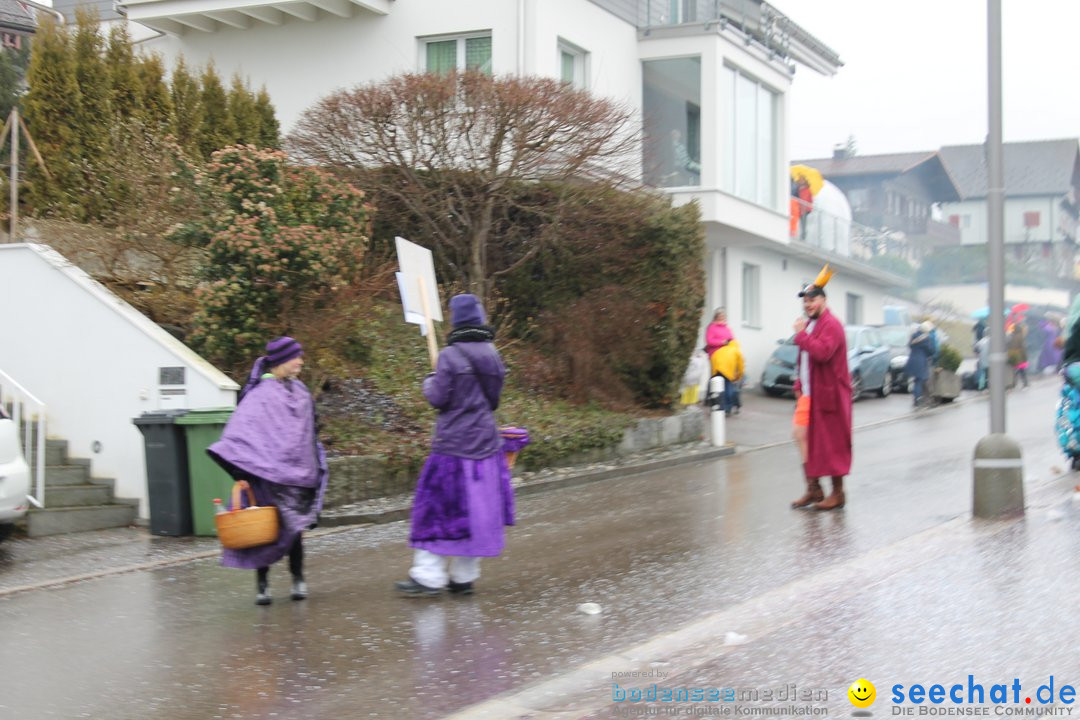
[(463, 497), (270, 441)]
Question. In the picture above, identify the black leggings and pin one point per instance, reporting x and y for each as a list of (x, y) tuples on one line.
[(296, 563)]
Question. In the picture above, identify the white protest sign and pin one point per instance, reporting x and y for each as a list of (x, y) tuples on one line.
[(417, 266), (419, 291)]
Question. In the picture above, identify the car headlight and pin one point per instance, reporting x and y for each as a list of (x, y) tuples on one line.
[(898, 362)]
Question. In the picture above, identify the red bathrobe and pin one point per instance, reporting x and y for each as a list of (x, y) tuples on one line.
[(829, 437)]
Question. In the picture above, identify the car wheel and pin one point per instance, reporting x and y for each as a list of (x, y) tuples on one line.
[(6, 530), (856, 386), (886, 386), (772, 392)]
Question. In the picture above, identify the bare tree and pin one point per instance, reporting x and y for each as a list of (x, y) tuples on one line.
[(453, 151)]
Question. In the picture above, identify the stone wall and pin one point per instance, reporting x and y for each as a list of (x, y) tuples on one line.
[(358, 478)]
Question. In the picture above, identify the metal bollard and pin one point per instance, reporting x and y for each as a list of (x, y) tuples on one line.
[(716, 405), (998, 471)]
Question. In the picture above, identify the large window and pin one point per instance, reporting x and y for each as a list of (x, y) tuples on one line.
[(750, 146), (468, 52), (751, 295), (573, 65), (671, 99)]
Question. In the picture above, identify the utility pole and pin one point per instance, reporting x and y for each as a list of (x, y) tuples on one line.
[(998, 467), (13, 204), (15, 122)]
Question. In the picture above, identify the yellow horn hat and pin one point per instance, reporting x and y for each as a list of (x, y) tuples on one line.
[(824, 276)]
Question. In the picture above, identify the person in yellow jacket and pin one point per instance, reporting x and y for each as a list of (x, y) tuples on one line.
[(727, 360)]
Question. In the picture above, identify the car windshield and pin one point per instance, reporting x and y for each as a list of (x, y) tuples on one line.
[(851, 336), (894, 336), (786, 352)]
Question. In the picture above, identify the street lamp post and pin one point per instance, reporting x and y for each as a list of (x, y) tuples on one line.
[(998, 465)]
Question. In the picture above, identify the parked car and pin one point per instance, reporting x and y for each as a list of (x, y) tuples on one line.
[(868, 362), (14, 477), (897, 337), (778, 377)]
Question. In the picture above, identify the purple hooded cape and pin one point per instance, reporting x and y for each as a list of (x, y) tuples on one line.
[(270, 439)]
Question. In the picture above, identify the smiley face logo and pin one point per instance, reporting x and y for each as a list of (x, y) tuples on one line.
[(862, 693)]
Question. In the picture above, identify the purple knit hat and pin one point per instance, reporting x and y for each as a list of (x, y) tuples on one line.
[(465, 309), (282, 350)]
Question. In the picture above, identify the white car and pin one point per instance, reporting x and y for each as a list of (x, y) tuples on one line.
[(14, 477)]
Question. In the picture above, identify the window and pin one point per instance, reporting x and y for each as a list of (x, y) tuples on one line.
[(573, 65), (471, 52), (853, 312), (750, 148), (1031, 219), (671, 101), (681, 11), (751, 295)]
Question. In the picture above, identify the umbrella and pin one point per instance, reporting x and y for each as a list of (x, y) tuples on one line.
[(812, 177), (982, 313)]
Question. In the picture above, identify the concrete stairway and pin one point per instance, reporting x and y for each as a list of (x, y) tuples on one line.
[(74, 501)]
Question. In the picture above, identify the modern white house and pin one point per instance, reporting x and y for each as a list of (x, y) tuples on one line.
[(708, 77)]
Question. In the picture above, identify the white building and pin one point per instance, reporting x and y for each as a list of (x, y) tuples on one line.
[(1042, 200), (709, 78)]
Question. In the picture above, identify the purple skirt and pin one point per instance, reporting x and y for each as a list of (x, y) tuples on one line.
[(297, 511), (462, 505)]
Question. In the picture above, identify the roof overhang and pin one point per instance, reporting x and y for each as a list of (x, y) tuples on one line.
[(177, 17)]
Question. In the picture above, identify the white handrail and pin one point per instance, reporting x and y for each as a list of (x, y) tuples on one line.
[(22, 400)]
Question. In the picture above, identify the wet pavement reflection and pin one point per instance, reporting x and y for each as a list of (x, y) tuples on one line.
[(656, 551)]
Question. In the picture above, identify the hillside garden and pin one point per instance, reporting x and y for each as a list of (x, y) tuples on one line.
[(179, 194)]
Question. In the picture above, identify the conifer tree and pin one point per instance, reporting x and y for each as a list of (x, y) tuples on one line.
[(269, 130), (216, 130), (122, 73), (155, 102), (91, 123), (13, 62), (244, 115), (187, 108), (49, 105)]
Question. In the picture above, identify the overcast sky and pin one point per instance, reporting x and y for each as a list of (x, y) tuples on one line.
[(914, 75)]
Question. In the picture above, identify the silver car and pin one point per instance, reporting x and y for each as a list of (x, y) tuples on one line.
[(14, 477), (868, 361)]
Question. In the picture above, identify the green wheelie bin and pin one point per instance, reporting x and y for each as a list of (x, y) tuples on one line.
[(208, 481)]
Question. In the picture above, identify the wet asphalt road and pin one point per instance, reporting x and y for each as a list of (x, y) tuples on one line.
[(901, 584)]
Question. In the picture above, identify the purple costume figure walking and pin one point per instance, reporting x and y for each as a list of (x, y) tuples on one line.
[(270, 441), (463, 497)]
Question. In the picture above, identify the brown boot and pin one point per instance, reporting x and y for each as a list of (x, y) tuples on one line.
[(813, 492), (835, 500)]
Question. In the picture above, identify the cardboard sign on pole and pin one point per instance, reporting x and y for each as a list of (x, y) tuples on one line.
[(419, 291)]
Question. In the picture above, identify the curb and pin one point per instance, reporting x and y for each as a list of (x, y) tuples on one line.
[(401, 512)]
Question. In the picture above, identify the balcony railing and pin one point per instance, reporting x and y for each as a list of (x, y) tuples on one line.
[(851, 240), (757, 21)]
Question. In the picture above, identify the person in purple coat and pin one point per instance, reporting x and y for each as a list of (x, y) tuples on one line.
[(270, 442), (463, 497)]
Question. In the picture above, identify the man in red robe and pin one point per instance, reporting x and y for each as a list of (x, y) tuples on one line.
[(825, 385)]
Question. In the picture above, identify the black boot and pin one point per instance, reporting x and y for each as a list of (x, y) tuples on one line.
[(262, 586), (296, 567)]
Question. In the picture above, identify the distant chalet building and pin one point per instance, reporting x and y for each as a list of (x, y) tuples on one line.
[(17, 24), (896, 193)]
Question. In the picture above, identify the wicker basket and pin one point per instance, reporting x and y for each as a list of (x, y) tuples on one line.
[(248, 527)]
